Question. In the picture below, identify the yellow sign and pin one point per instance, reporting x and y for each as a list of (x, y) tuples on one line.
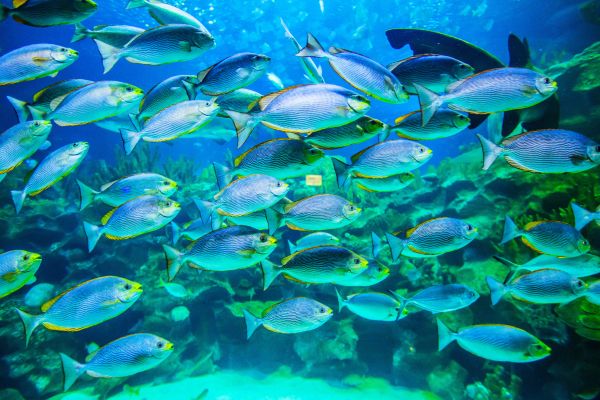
[(314, 180)]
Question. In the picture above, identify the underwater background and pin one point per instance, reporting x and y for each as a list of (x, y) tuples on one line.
[(348, 357)]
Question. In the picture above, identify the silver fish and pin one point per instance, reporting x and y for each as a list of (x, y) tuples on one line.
[(34, 61), (114, 35)]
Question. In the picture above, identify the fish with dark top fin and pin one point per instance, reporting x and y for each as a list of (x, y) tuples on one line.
[(432, 71), (580, 266), (123, 357), (166, 14), (554, 238), (319, 264), (360, 71), (441, 298), (296, 315), (444, 123), (495, 342), (46, 99), (232, 73), (172, 90), (157, 46), (43, 13), (549, 151)]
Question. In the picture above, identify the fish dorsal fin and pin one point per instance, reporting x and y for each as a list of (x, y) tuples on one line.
[(399, 120), (107, 185), (107, 216), (19, 3), (533, 224), (412, 230), (202, 74), (396, 64), (508, 141), (264, 101), (39, 94), (46, 306), (287, 259), (355, 157), (289, 206)]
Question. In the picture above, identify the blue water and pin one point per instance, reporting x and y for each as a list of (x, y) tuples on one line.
[(404, 353)]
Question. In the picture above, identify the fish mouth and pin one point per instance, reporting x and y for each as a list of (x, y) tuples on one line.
[(169, 346)]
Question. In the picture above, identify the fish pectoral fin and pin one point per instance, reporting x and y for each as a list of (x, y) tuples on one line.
[(39, 61), (247, 252), (294, 227), (109, 303), (243, 73), (185, 46), (529, 91), (10, 277), (577, 159), (342, 110)]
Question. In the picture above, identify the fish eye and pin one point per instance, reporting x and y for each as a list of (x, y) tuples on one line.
[(160, 345), (64, 50), (372, 122), (128, 286), (579, 284), (278, 184), (322, 310), (75, 144), (379, 269), (166, 182), (313, 151), (26, 257), (168, 204), (36, 123), (597, 149), (463, 66), (356, 261), (352, 208), (129, 89), (584, 242), (469, 227), (547, 81), (263, 238)]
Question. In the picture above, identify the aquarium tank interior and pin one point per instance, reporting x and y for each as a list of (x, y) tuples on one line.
[(299, 200)]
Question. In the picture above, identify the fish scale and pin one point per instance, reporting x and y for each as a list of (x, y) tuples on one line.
[(544, 237), (164, 94), (177, 120)]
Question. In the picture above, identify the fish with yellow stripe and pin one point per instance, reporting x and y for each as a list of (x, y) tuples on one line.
[(53, 168), (319, 264), (554, 238), (296, 315), (430, 238), (17, 268), (302, 109), (444, 123), (136, 217), (314, 213), (87, 304), (381, 160), (243, 196)]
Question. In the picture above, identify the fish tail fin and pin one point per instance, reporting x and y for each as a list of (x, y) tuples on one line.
[(223, 174), (490, 150), (252, 323), (511, 230), (340, 299), (81, 33), (582, 216), (445, 335), (375, 245), (244, 125), (208, 213), (270, 272), (174, 261), (313, 48), (497, 289), (175, 232), (18, 197), (86, 195), (36, 113), (429, 101), (130, 139), (20, 108), (343, 173), (291, 246), (30, 322), (274, 220), (71, 370), (288, 34), (396, 244), (93, 234), (384, 134), (513, 267), (135, 4), (110, 55)]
